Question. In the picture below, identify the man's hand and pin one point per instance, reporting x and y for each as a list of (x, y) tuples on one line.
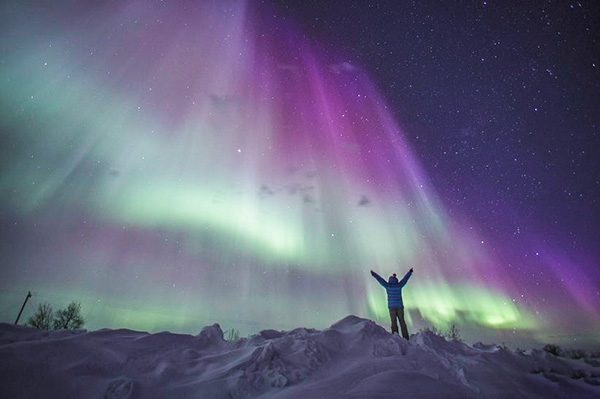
[(411, 270)]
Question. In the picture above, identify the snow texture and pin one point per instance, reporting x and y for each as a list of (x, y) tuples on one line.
[(354, 358)]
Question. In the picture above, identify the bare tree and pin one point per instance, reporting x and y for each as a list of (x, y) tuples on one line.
[(69, 318), (42, 318)]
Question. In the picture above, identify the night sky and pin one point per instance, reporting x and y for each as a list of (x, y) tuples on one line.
[(171, 165)]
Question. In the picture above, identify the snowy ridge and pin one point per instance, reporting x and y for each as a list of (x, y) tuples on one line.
[(354, 358)]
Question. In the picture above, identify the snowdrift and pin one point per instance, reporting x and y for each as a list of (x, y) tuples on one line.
[(354, 358)]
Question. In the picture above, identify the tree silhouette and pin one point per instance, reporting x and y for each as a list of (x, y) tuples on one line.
[(42, 318), (453, 333), (69, 318)]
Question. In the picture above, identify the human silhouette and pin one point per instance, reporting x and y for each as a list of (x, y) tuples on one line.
[(393, 287)]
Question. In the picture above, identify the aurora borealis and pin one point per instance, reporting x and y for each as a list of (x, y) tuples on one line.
[(175, 165)]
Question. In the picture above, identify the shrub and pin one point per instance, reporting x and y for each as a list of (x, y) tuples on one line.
[(577, 354), (553, 349), (453, 333), (232, 335), (578, 374)]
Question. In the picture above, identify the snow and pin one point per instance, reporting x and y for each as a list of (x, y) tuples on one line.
[(354, 358)]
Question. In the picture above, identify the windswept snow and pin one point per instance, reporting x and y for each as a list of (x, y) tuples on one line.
[(354, 358)]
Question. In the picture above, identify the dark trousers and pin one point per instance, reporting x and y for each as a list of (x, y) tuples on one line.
[(398, 313)]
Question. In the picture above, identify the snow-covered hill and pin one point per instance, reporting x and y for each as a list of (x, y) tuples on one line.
[(354, 358)]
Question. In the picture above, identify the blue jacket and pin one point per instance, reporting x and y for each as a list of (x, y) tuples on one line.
[(393, 288)]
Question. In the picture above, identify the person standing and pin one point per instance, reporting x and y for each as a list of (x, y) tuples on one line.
[(393, 287)]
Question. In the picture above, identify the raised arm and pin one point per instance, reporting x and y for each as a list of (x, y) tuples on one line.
[(406, 277), (379, 279)]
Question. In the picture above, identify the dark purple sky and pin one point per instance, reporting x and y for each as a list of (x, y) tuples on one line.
[(501, 102)]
